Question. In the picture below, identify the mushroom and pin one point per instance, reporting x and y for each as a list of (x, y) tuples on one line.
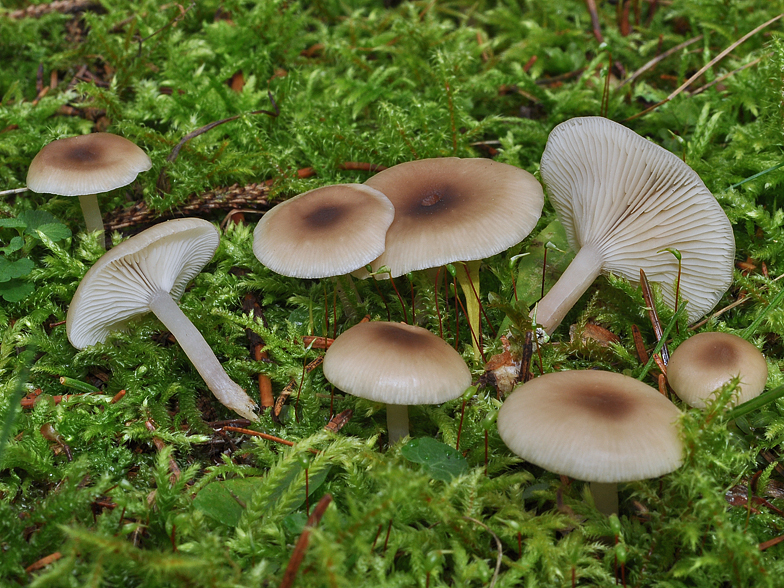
[(396, 364), (456, 210), (623, 201), (328, 231), (84, 166), (705, 362), (149, 272), (592, 425)]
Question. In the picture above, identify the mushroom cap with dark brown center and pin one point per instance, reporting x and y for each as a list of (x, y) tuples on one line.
[(396, 363), (86, 164), (328, 231), (592, 425), (451, 209), (705, 362)]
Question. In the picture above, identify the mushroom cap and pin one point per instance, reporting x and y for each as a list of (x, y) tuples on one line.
[(118, 288), (328, 231), (631, 199), (86, 164), (592, 425), (396, 363), (451, 209), (705, 362)]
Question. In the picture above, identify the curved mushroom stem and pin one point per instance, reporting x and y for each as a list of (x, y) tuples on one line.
[(468, 274), (605, 497), (202, 357), (397, 422), (92, 215), (581, 273)]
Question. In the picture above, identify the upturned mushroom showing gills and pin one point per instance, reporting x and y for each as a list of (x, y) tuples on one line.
[(325, 232), (705, 362), (84, 166), (456, 210), (396, 364), (148, 273), (623, 201), (595, 426)]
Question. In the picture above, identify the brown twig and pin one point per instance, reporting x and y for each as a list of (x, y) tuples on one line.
[(652, 63), (597, 31), (339, 421), (728, 74), (43, 562), (706, 67), (302, 543), (647, 293)]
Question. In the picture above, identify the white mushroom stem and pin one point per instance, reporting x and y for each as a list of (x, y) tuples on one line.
[(92, 215), (468, 276), (202, 357), (578, 277), (605, 497), (397, 422)]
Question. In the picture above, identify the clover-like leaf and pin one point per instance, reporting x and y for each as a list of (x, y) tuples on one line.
[(15, 290), (15, 244), (14, 269), (441, 461)]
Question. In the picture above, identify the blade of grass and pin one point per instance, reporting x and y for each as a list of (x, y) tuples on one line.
[(664, 336), (749, 331), (755, 403)]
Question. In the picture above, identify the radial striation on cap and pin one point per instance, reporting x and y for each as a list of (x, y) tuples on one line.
[(396, 363), (119, 287), (705, 362), (592, 425), (328, 231), (86, 164), (628, 199), (451, 209)]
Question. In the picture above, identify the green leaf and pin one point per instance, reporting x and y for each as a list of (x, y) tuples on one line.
[(224, 501), (35, 219), (12, 223), (14, 269), (15, 290), (14, 244), (55, 231), (441, 461)]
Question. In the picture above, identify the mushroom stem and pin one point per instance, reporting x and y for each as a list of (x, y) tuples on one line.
[(397, 422), (468, 274), (92, 215), (581, 273), (202, 357), (605, 497)]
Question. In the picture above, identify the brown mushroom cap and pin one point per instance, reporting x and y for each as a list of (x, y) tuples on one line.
[(396, 363), (86, 164), (592, 425), (451, 209), (705, 362), (328, 231)]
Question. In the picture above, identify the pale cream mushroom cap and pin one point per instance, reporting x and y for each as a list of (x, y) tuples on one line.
[(395, 363), (118, 288), (592, 425), (624, 200), (86, 164), (451, 209), (329, 231), (705, 362)]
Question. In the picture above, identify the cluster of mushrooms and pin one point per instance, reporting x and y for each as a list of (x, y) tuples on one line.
[(624, 202)]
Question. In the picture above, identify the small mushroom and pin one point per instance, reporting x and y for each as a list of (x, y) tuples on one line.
[(149, 272), (329, 231), (623, 201), (84, 166), (705, 362), (456, 210), (396, 364), (592, 425)]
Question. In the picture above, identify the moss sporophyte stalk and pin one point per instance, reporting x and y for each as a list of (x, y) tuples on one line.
[(118, 466)]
